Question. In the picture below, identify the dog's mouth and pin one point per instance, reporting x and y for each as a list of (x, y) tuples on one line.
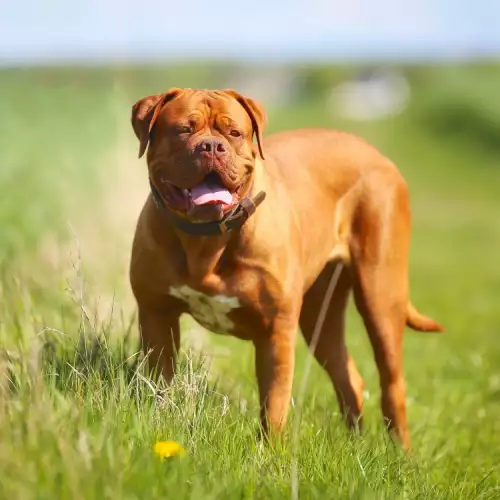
[(208, 200)]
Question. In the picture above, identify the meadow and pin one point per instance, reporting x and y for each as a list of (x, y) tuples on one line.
[(78, 415)]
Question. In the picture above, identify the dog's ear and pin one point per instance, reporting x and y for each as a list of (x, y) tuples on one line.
[(256, 113), (144, 115)]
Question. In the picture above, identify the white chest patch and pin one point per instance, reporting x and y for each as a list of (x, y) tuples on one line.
[(209, 312)]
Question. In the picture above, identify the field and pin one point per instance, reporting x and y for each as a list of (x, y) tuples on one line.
[(78, 416)]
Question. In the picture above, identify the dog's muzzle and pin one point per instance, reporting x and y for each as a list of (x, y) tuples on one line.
[(230, 221)]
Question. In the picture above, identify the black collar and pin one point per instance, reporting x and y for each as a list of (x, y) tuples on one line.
[(232, 220)]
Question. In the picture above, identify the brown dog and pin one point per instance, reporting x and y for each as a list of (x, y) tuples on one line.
[(203, 246)]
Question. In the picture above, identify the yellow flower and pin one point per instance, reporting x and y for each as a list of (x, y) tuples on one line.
[(167, 449)]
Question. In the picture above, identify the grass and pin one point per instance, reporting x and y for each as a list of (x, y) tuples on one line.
[(78, 416)]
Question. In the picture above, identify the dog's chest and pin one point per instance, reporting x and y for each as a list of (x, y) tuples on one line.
[(211, 312)]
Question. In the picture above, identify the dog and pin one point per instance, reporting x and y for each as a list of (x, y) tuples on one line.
[(246, 234)]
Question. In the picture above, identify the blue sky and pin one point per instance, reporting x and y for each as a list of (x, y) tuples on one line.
[(48, 30)]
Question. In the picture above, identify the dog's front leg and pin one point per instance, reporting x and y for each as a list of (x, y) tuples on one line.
[(160, 339), (274, 364)]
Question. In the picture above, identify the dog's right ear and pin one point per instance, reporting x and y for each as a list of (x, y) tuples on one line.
[(144, 115)]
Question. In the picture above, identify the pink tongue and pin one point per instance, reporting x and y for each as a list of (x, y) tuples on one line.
[(209, 192)]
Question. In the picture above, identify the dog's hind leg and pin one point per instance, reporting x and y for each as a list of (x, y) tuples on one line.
[(379, 260), (330, 348)]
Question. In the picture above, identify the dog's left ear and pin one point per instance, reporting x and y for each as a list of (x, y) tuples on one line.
[(144, 115), (256, 113)]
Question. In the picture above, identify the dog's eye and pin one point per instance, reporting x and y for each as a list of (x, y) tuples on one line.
[(235, 133), (184, 130)]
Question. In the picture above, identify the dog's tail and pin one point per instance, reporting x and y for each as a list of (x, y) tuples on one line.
[(417, 321)]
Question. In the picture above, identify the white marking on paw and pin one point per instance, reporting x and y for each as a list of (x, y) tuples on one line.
[(209, 312)]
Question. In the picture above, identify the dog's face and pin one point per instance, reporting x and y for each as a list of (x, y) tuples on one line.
[(201, 155)]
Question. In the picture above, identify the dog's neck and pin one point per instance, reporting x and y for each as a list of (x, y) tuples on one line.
[(205, 255)]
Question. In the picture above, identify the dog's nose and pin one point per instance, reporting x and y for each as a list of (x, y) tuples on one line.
[(212, 146)]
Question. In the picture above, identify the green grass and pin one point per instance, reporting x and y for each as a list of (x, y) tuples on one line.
[(78, 416)]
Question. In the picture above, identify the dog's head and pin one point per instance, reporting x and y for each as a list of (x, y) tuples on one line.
[(201, 155)]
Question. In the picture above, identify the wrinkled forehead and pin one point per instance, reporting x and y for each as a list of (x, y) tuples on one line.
[(209, 104)]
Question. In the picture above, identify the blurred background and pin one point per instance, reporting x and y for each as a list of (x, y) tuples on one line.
[(419, 79)]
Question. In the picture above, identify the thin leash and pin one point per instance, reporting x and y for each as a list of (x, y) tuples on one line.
[(320, 321)]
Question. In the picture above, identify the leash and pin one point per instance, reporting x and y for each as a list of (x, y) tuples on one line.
[(320, 321), (232, 220)]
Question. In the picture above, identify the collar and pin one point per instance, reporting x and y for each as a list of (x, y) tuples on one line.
[(232, 220)]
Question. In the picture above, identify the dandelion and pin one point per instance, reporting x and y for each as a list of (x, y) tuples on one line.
[(168, 449)]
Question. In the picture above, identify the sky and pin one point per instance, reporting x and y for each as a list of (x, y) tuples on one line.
[(47, 31)]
